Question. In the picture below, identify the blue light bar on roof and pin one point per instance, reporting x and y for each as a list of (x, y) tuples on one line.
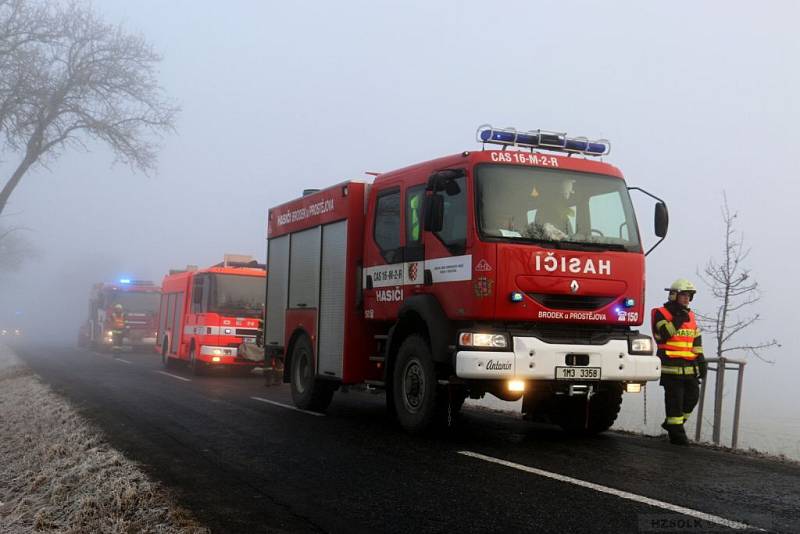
[(542, 139), (124, 280)]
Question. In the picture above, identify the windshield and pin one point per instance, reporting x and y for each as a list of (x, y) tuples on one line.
[(549, 205), (240, 296), (136, 301)]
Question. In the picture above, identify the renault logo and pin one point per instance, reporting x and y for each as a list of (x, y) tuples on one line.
[(574, 287)]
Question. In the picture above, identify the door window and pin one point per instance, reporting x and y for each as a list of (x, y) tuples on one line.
[(454, 230), (387, 226)]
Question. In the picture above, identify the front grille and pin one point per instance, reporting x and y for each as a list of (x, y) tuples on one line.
[(570, 302), (246, 331), (576, 334)]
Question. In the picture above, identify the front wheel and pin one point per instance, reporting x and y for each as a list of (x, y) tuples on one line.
[(308, 393), (418, 399), (195, 366)]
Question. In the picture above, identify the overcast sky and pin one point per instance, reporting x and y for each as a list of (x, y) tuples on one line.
[(696, 98)]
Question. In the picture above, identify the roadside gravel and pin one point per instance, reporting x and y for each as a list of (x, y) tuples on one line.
[(57, 473)]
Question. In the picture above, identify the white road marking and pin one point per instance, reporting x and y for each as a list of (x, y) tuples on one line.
[(174, 376), (611, 491), (123, 361), (288, 407)]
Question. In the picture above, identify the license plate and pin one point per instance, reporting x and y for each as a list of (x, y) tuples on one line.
[(577, 373)]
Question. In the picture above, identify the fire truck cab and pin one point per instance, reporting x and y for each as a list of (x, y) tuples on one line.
[(517, 272), (211, 318), (139, 301)]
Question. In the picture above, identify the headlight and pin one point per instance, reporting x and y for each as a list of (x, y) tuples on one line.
[(641, 345), (483, 340), (110, 333)]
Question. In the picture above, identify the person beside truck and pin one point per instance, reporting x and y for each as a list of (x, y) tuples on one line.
[(683, 365)]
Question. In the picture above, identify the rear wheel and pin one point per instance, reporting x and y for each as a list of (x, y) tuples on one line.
[(419, 401), (575, 416), (308, 392), (166, 361)]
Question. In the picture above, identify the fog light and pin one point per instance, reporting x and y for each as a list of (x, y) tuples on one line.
[(516, 385), (215, 359), (629, 303), (633, 388), (516, 296)]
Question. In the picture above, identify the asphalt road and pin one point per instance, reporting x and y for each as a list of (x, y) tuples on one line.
[(248, 465)]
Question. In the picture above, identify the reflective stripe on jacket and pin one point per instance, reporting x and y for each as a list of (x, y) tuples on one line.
[(118, 320), (682, 341)]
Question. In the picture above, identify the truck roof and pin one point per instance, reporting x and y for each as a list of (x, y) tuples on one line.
[(127, 285), (547, 159), (238, 271)]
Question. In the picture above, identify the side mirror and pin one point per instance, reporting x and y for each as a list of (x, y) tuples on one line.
[(434, 213), (661, 219)]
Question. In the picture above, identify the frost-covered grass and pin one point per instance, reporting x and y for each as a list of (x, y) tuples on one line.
[(58, 474)]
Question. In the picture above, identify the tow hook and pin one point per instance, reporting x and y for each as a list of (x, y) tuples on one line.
[(581, 389)]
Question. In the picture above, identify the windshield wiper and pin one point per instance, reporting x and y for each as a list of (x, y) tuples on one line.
[(596, 246)]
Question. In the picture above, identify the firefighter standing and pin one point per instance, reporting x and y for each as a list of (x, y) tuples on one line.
[(117, 325), (683, 365), (118, 317)]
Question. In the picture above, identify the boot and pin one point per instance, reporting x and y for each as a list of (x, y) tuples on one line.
[(677, 434)]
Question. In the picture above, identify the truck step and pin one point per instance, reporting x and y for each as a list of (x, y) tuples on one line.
[(377, 358), (378, 383), (381, 337)]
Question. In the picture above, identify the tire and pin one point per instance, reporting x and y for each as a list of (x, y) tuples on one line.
[(196, 367), (166, 361), (418, 400), (308, 392), (571, 412)]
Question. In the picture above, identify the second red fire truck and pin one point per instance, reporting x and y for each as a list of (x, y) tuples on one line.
[(211, 317), (517, 272)]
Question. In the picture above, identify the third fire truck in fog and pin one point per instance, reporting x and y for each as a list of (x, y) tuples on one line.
[(137, 303), (517, 272)]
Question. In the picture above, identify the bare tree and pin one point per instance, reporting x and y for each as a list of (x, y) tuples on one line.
[(735, 290), (67, 77), (15, 249)]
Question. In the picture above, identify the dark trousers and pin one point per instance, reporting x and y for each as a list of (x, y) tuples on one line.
[(681, 394)]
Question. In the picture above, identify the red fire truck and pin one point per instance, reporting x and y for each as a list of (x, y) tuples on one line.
[(517, 272), (139, 301), (207, 316)]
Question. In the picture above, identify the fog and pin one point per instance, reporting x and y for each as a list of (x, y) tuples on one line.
[(696, 98)]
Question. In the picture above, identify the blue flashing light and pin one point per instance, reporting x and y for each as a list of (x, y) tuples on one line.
[(124, 280), (543, 139), (629, 302), (516, 296)]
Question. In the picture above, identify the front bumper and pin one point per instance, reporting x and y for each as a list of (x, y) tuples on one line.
[(533, 359), (224, 356)]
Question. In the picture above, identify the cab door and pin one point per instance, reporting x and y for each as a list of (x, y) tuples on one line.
[(447, 242), (384, 253)]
